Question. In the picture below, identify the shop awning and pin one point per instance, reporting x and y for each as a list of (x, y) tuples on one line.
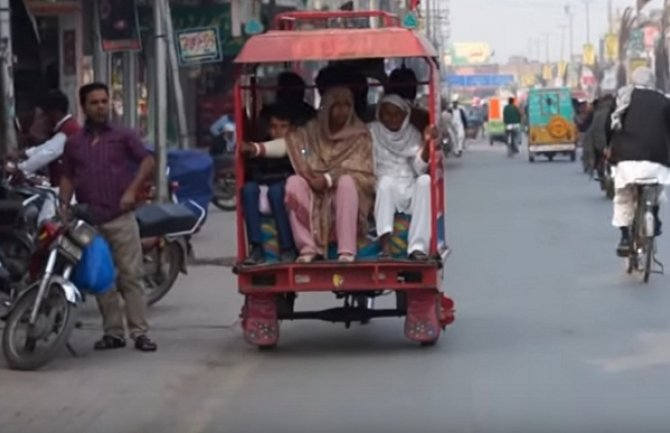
[(335, 44)]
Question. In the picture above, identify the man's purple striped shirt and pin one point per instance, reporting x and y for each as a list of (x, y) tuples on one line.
[(103, 171)]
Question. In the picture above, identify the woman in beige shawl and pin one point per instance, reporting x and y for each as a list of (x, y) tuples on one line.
[(333, 188)]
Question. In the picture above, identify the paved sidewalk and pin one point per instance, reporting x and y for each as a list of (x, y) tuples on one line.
[(122, 391)]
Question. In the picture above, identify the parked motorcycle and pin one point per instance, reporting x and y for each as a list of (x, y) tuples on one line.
[(225, 189), (42, 316), (166, 230)]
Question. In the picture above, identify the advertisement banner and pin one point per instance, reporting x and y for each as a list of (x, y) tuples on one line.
[(636, 42), (470, 53), (197, 46), (119, 25), (573, 76), (562, 69), (528, 80), (589, 55), (635, 63), (611, 47), (609, 80)]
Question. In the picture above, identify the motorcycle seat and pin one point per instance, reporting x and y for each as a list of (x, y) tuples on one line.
[(165, 219), (11, 212)]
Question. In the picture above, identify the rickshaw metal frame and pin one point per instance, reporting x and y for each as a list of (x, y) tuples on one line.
[(263, 283)]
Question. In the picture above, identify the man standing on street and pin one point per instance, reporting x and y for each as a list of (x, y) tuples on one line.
[(98, 165)]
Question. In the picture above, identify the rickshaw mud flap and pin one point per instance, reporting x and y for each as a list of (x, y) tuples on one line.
[(342, 314), (260, 320), (428, 312)]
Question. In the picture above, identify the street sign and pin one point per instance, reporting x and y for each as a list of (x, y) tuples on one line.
[(197, 46), (479, 80)]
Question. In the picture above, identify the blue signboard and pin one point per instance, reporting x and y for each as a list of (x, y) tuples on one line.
[(479, 80)]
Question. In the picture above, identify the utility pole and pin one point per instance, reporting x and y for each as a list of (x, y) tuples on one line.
[(587, 4), (374, 5), (9, 143), (429, 23), (546, 47), (571, 15), (130, 89), (182, 124), (610, 17), (563, 27), (100, 58), (160, 77)]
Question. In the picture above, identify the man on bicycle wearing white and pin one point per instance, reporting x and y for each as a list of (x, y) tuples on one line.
[(512, 121), (639, 146)]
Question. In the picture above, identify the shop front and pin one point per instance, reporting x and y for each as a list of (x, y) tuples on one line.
[(48, 45)]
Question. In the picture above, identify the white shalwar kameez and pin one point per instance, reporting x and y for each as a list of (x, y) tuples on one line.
[(626, 174), (459, 127), (402, 183)]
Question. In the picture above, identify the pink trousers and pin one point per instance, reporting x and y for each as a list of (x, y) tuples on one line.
[(345, 207)]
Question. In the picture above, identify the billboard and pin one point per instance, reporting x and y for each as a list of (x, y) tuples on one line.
[(119, 26), (470, 53), (479, 80)]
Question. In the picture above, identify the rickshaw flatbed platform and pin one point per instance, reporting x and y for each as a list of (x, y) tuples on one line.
[(329, 276)]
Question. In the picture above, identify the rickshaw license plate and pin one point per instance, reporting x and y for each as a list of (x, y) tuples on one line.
[(552, 148)]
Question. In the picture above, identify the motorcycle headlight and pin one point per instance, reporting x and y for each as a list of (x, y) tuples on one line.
[(70, 249), (82, 233)]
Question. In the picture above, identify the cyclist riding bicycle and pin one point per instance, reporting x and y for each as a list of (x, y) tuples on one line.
[(512, 120), (639, 147)]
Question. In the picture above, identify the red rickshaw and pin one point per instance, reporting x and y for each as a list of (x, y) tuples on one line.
[(271, 289)]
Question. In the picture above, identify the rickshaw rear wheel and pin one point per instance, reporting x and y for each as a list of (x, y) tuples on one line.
[(429, 343), (573, 156), (531, 157)]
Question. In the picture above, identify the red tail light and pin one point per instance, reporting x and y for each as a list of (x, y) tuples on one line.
[(48, 232)]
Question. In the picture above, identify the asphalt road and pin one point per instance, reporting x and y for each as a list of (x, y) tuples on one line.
[(551, 336)]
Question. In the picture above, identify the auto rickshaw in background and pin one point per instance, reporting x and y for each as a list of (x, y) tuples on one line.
[(270, 289), (552, 130), (495, 128)]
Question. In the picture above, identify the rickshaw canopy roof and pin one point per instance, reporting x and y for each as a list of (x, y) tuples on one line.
[(334, 44)]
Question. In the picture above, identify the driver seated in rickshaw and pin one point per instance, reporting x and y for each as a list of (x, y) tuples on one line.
[(333, 189), (403, 185), (403, 82)]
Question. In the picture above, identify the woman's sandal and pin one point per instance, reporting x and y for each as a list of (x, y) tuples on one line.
[(346, 258), (384, 256), (306, 258)]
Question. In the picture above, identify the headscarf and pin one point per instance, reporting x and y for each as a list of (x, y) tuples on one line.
[(315, 149), (643, 79), (401, 143)]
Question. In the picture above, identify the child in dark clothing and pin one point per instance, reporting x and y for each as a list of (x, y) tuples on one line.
[(267, 177)]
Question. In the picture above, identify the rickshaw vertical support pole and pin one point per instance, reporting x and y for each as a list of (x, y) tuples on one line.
[(433, 158), (239, 169)]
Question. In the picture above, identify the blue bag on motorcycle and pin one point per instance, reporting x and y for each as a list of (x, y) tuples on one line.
[(95, 272)]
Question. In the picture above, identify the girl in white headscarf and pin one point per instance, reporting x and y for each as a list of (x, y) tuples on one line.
[(401, 163)]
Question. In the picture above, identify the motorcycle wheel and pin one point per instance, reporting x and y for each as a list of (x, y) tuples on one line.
[(224, 194), (56, 318), (158, 282)]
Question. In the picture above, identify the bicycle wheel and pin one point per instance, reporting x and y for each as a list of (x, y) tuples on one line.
[(648, 259)]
